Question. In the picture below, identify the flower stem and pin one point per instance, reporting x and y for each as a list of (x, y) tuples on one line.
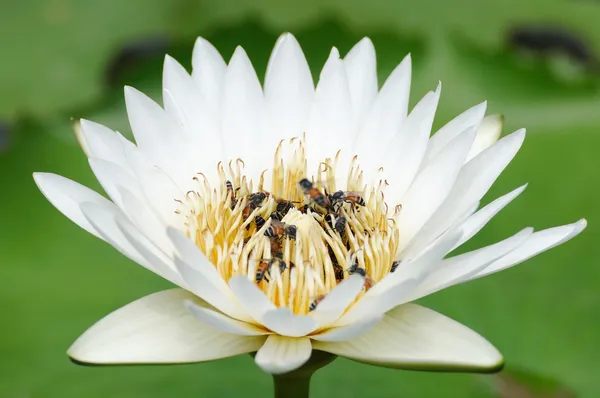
[(296, 384)]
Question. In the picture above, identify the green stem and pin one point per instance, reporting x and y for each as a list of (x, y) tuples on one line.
[(296, 384)]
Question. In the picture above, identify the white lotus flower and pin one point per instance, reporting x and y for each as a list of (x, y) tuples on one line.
[(171, 212)]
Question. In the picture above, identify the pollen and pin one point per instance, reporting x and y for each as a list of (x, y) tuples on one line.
[(301, 238)]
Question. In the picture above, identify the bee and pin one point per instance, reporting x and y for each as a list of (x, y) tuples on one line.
[(338, 270), (315, 302), (260, 222), (283, 207), (395, 265), (354, 269), (254, 202), (337, 198), (278, 229), (340, 225), (231, 193), (313, 193), (264, 267), (276, 248), (304, 209)]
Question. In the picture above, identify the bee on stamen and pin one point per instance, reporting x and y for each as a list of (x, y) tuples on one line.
[(314, 194), (259, 221), (340, 225), (278, 229), (315, 302), (283, 207), (337, 198), (264, 267), (255, 200)]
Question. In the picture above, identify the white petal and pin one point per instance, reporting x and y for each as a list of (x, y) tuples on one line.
[(111, 176), (242, 113), (537, 243), (289, 90), (405, 153), (67, 195), (384, 118), (250, 297), (361, 70), (283, 354), (336, 302), (330, 126), (208, 73), (474, 180), (414, 337), (108, 221), (348, 332), (487, 135), (284, 322), (157, 329), (158, 135), (458, 269), (432, 185), (80, 137), (105, 144), (222, 322), (202, 278), (471, 117), (477, 221)]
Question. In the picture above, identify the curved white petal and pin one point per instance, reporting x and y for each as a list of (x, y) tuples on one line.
[(222, 322), (285, 323), (537, 243), (432, 185), (414, 337), (350, 331), (250, 297), (330, 123), (461, 268), (361, 69), (336, 302), (242, 113), (111, 176), (67, 195), (470, 118), (105, 144), (478, 220), (288, 90), (474, 180), (281, 354), (384, 118), (405, 153), (208, 72), (157, 329), (488, 134)]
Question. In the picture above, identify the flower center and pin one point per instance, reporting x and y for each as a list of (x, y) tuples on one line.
[(301, 238)]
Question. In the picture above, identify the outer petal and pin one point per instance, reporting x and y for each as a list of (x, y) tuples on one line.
[(361, 69), (537, 243), (208, 73), (103, 143), (283, 354), (350, 331), (157, 329), (222, 322), (414, 337), (488, 133), (66, 195), (336, 302)]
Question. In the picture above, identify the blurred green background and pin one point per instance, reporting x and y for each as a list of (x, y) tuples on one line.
[(56, 280)]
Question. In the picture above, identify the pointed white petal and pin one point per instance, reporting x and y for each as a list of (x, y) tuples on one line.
[(157, 135), (283, 354), (350, 331), (405, 153), (470, 118), (242, 113), (76, 123), (66, 195), (361, 70), (330, 125), (289, 90), (461, 268), (414, 337), (157, 329), (477, 221), (208, 73), (105, 144), (250, 297), (432, 185), (487, 135), (285, 323), (222, 322), (474, 180), (108, 221), (537, 243), (336, 302), (111, 176), (385, 117)]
